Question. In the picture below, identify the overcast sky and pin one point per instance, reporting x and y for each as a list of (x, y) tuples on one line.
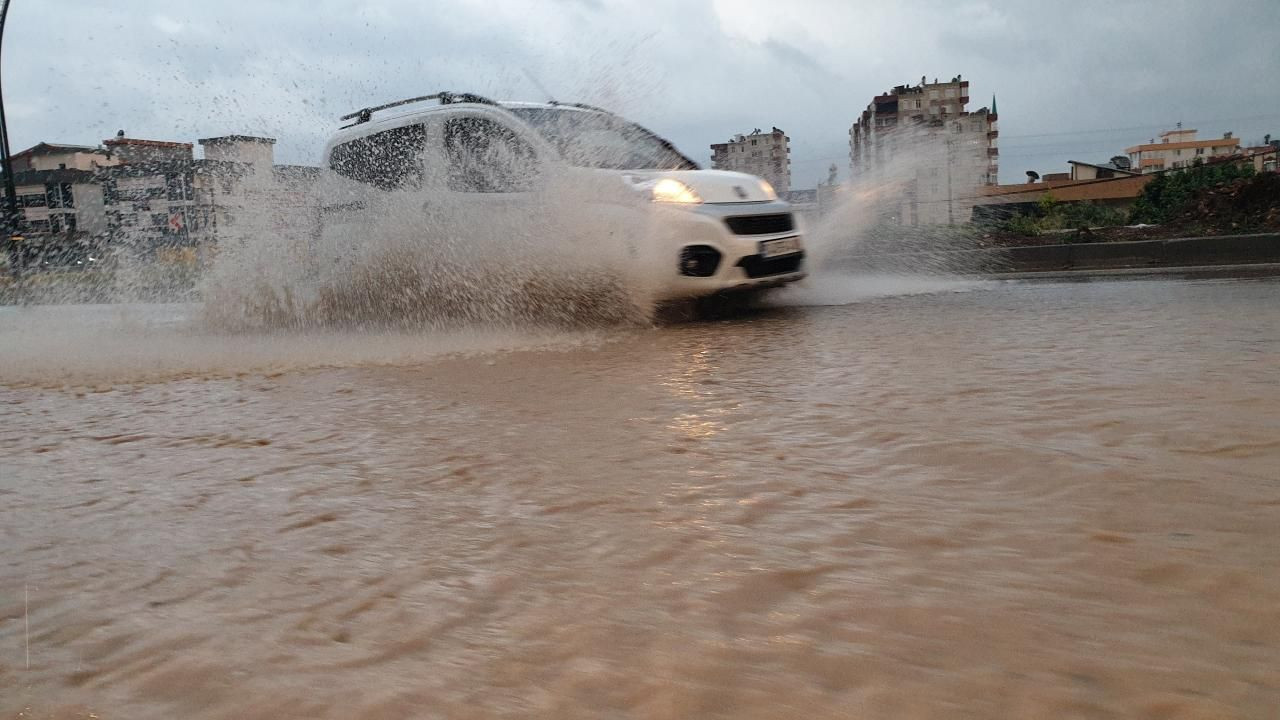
[(1075, 79)]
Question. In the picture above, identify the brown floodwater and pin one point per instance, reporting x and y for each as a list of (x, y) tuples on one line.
[(965, 501)]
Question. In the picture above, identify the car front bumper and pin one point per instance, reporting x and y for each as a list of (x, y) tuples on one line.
[(741, 265)]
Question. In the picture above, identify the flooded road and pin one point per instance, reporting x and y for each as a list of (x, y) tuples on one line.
[(975, 501)]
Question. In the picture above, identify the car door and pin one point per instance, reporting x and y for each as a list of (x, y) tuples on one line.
[(486, 183)]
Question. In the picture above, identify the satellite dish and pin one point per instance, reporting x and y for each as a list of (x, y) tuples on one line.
[(1032, 176)]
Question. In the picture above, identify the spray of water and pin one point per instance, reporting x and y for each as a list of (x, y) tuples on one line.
[(335, 272), (564, 249), (870, 241)]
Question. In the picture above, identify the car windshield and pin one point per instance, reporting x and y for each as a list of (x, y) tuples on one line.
[(598, 140)]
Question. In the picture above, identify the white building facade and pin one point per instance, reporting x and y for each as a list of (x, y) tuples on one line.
[(765, 154), (923, 140)]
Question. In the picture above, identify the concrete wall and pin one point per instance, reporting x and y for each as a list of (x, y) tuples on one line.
[(1182, 252), (258, 152), (1174, 253)]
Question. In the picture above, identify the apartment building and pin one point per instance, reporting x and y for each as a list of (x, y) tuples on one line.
[(148, 195), (53, 156), (59, 202), (1179, 148), (923, 138), (160, 196), (765, 154)]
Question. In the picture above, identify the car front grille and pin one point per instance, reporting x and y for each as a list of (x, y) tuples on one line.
[(757, 267), (760, 224)]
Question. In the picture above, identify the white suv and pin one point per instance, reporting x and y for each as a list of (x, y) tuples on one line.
[(714, 231)]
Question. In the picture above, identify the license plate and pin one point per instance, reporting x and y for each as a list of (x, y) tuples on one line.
[(781, 246)]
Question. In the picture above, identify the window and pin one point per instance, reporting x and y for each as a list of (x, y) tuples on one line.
[(389, 160), (176, 221), (53, 194), (70, 222), (1199, 151), (753, 142), (178, 187), (32, 200), (68, 199), (55, 223), (600, 140), (39, 226), (485, 156)]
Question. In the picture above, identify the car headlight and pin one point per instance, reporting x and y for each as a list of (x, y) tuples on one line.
[(674, 191), (768, 190)]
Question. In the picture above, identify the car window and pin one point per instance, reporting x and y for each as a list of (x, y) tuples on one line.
[(485, 156), (599, 140), (390, 160)]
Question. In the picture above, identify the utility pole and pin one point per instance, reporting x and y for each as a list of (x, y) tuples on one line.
[(9, 207)]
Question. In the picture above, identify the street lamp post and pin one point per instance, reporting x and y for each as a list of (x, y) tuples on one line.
[(9, 207)]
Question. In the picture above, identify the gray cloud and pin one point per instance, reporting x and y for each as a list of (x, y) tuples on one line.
[(1076, 80)]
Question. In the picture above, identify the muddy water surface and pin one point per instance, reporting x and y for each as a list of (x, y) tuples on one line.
[(1018, 500)]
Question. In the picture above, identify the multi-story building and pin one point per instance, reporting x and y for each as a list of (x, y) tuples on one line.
[(1179, 148), (52, 156), (149, 194), (766, 154), (59, 202), (144, 198), (160, 196), (56, 191), (923, 139)]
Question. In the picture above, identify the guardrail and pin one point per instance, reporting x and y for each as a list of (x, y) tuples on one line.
[(1260, 248)]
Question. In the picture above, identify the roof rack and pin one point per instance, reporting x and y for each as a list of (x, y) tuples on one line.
[(581, 106), (363, 115)]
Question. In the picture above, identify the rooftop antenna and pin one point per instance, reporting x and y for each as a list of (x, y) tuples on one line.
[(540, 86)]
